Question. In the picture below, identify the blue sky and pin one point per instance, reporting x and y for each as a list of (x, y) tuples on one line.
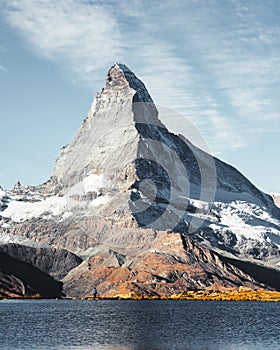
[(217, 62)]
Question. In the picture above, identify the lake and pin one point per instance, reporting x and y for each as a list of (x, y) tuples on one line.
[(138, 325)]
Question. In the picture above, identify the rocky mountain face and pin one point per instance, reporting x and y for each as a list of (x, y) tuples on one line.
[(19, 279), (29, 270), (55, 262), (172, 264), (145, 209)]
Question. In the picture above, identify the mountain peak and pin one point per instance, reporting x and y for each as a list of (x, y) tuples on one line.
[(120, 78), (116, 79)]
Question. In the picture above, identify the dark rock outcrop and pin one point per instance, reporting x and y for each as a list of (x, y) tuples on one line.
[(19, 279), (54, 262)]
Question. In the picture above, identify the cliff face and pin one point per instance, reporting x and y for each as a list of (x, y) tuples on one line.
[(124, 189), (106, 144), (54, 262), (20, 279), (27, 271)]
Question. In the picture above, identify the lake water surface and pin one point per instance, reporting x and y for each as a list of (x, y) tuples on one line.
[(138, 325)]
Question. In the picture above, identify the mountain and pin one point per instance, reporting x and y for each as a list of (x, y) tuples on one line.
[(144, 208)]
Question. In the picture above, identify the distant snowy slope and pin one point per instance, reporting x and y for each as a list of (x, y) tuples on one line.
[(247, 229)]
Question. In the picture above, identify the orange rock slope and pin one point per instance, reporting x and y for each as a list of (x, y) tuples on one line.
[(171, 265)]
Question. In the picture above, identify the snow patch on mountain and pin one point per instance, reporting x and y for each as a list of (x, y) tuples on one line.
[(6, 238), (20, 211), (89, 192), (248, 221)]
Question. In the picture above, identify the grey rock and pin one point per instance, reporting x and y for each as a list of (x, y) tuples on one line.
[(54, 262), (20, 279)]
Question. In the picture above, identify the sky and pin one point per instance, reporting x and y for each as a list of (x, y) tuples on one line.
[(217, 62)]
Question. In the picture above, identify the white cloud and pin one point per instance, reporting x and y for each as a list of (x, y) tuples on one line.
[(81, 36), (218, 64)]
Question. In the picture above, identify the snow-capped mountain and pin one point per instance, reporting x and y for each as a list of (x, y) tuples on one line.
[(125, 180)]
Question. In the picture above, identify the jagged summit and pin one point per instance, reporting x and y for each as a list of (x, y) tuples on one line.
[(116, 79), (120, 77)]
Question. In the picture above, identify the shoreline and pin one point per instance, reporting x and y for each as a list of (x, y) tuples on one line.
[(205, 295), (243, 294)]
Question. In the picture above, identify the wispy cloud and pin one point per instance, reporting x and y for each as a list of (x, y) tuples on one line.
[(217, 63), (2, 68), (77, 34)]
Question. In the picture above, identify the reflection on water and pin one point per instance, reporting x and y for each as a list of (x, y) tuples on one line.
[(138, 325), (94, 347)]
